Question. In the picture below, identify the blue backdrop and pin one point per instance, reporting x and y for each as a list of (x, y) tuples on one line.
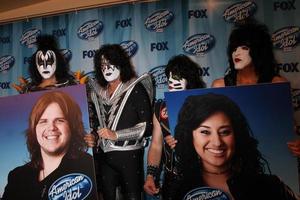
[(154, 32)]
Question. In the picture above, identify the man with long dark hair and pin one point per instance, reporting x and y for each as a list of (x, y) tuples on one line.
[(57, 151), (252, 61), (122, 107), (48, 69)]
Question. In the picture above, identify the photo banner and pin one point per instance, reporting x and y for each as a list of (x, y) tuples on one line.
[(268, 110), (70, 180)]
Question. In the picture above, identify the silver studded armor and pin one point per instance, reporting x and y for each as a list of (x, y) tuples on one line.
[(129, 138)]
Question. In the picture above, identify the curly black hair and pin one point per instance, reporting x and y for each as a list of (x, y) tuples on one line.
[(44, 43), (182, 66), (247, 159), (116, 55), (256, 36)]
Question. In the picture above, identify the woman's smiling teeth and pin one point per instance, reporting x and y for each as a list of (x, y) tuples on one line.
[(216, 151)]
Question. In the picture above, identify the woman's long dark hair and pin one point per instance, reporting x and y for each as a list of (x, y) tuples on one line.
[(246, 159)]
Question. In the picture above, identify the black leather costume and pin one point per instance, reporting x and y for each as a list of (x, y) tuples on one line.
[(120, 162)]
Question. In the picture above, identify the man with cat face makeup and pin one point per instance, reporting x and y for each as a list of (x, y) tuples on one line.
[(48, 68), (176, 83), (182, 74), (121, 106)]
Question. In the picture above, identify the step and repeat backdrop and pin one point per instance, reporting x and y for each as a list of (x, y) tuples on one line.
[(152, 33)]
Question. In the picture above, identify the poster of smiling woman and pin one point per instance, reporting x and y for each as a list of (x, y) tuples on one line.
[(42, 151), (232, 142)]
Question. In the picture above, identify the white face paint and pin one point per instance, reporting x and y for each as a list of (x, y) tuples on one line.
[(176, 84), (109, 71), (241, 57), (46, 63)]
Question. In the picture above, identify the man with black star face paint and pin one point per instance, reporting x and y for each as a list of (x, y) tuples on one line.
[(252, 61), (182, 74), (48, 68), (121, 106)]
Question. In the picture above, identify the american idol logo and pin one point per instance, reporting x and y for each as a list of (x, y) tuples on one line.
[(29, 37), (199, 44), (159, 78), (6, 62), (130, 46), (159, 20), (286, 38), (71, 186), (67, 54), (90, 30), (239, 11), (206, 193)]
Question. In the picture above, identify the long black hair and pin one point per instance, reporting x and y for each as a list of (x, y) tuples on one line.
[(181, 65), (116, 55), (256, 36)]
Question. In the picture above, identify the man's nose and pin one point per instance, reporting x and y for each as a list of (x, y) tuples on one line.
[(238, 50), (45, 65), (52, 126)]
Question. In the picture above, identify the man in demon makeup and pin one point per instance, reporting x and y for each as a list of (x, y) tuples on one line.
[(48, 68), (122, 108)]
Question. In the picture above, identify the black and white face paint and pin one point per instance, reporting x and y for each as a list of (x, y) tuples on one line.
[(46, 63), (109, 71), (241, 57), (176, 83)]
